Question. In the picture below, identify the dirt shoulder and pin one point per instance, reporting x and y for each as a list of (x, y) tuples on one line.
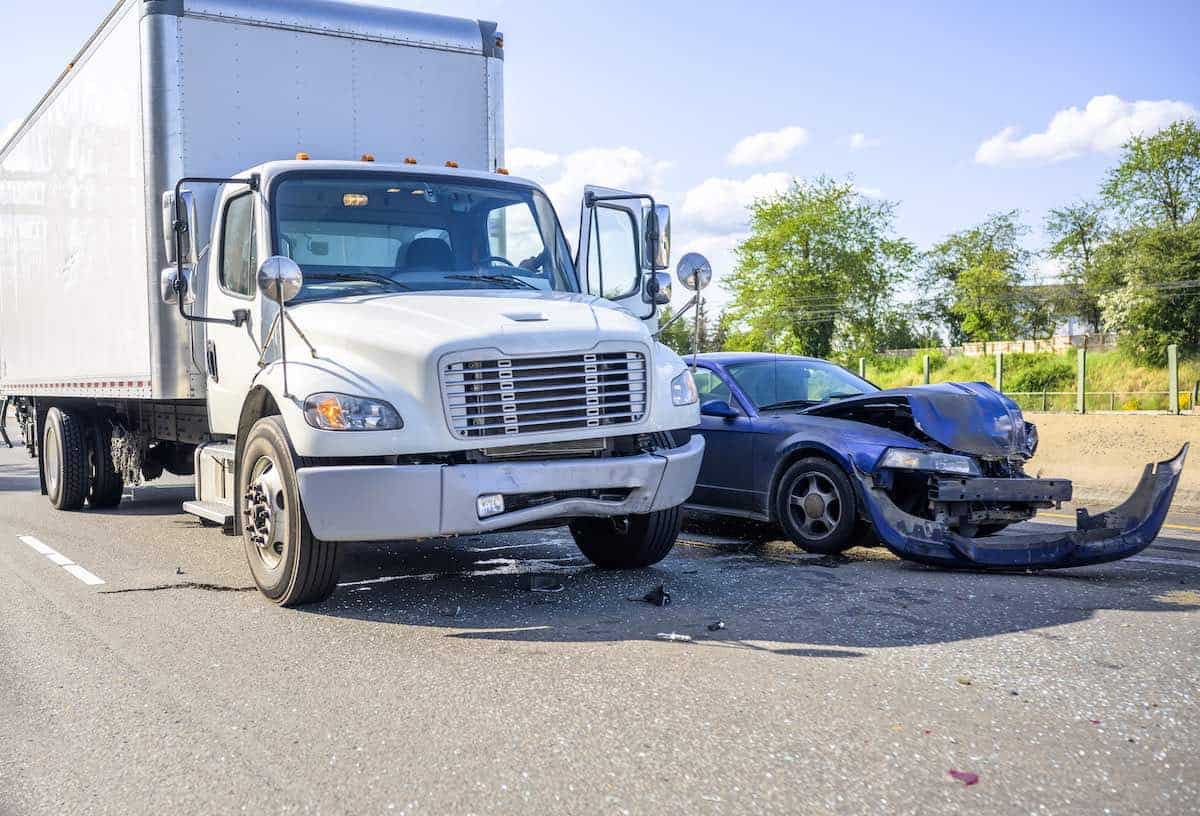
[(1104, 453)]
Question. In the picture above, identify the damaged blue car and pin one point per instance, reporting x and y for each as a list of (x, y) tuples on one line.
[(935, 473)]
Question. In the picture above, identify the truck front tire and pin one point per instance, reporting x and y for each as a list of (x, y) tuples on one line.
[(628, 543), (65, 458), (289, 564)]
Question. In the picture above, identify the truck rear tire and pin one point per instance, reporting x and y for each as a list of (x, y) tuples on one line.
[(65, 458), (289, 564), (107, 486)]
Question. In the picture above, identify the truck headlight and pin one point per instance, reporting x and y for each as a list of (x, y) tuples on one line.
[(683, 389), (907, 459), (339, 412)]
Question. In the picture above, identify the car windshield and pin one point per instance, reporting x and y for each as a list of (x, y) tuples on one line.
[(791, 383), (366, 233)]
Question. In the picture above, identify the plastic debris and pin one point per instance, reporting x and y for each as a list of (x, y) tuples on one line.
[(966, 777), (541, 583), (672, 637), (716, 626), (453, 612), (179, 570), (963, 680), (658, 596)]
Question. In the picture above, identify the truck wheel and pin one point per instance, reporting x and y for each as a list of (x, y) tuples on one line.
[(65, 458), (107, 486), (817, 507), (290, 565)]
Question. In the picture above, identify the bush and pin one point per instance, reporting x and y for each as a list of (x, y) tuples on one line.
[(1038, 372)]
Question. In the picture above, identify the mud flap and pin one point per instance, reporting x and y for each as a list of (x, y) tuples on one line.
[(1119, 533)]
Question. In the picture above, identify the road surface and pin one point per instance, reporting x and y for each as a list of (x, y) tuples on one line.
[(433, 682)]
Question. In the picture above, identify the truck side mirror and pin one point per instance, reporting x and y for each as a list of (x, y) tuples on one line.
[(188, 227), (280, 279), (657, 221), (694, 271), (170, 295), (658, 289)]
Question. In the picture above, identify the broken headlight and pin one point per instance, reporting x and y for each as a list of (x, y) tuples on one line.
[(934, 461)]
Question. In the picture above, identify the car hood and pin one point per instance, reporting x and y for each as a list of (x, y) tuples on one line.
[(971, 418)]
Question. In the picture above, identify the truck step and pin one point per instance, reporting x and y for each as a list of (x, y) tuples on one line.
[(214, 512)]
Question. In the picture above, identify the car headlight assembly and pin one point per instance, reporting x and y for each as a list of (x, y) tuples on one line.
[(683, 390), (933, 461), (340, 412)]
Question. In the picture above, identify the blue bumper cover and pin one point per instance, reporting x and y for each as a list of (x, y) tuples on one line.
[(1118, 533)]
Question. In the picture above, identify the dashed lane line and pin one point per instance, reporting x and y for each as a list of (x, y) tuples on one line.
[(57, 558)]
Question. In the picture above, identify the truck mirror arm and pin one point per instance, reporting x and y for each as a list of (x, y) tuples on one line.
[(240, 316)]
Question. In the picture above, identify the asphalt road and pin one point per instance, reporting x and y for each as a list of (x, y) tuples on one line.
[(432, 682)]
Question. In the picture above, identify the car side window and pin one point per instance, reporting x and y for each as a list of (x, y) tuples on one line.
[(711, 387), (239, 269)]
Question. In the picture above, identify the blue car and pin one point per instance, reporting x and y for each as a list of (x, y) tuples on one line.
[(933, 472)]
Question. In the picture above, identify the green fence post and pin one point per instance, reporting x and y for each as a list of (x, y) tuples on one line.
[(1000, 371), (1045, 402), (862, 367), (1081, 382), (927, 369), (1196, 397), (1173, 377)]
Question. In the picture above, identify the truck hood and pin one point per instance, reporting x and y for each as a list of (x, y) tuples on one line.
[(437, 322), (971, 418)]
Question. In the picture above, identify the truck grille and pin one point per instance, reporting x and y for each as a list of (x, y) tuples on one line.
[(525, 395)]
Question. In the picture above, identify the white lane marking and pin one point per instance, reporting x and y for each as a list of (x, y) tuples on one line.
[(83, 575), (61, 560)]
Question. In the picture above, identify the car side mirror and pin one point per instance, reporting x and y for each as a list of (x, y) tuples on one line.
[(718, 408), (280, 279)]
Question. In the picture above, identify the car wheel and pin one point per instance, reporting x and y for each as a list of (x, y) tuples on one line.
[(817, 507)]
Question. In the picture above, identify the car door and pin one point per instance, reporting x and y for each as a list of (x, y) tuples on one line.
[(231, 352), (611, 263), (726, 478)]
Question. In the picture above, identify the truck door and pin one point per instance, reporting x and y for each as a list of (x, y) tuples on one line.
[(612, 251), (231, 352)]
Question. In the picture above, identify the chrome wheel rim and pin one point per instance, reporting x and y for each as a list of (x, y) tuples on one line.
[(50, 459), (265, 513), (815, 506)]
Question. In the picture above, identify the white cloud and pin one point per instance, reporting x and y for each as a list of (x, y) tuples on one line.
[(718, 205), (764, 148), (1103, 125), (861, 141), (526, 161)]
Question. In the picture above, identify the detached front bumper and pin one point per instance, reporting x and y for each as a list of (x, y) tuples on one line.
[(1118, 533), (383, 503)]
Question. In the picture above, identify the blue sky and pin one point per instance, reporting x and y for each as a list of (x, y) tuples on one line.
[(659, 95)]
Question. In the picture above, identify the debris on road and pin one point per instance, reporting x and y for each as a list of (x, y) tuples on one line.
[(963, 680), (966, 777), (672, 637), (453, 612), (657, 596), (541, 583), (716, 626)]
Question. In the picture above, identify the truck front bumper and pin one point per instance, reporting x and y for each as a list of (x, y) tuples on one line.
[(396, 502), (1118, 533)]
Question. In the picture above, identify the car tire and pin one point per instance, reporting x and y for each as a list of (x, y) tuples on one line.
[(65, 458), (633, 542), (817, 507), (107, 486), (289, 564)]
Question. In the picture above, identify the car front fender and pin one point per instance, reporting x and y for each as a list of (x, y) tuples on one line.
[(1119, 533)]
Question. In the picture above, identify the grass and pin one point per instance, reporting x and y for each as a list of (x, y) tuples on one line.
[(1108, 373)]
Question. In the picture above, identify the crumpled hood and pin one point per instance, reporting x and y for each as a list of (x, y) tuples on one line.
[(971, 418), (430, 323)]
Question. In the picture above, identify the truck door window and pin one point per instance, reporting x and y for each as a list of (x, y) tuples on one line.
[(613, 269), (239, 268), (514, 236)]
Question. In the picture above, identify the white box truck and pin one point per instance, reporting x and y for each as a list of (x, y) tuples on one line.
[(204, 271)]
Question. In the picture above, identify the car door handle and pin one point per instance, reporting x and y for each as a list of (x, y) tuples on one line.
[(212, 361)]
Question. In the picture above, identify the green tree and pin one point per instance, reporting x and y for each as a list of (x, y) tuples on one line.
[(1076, 233), (974, 282), (677, 336), (817, 271), (1158, 178)]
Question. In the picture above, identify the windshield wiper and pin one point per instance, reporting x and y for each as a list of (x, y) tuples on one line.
[(796, 403), (360, 277), (508, 280)]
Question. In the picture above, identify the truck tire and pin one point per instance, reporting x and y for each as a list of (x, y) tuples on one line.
[(289, 564), (65, 458), (632, 542), (816, 506), (107, 486)]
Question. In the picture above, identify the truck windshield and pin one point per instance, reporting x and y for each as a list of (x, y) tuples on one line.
[(366, 233)]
